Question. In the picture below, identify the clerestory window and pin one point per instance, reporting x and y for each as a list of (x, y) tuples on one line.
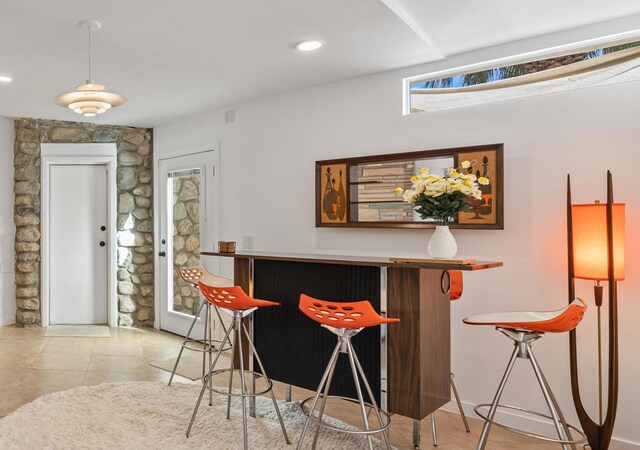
[(581, 68)]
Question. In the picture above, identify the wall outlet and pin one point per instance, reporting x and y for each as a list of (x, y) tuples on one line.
[(5, 267), (230, 116), (247, 242)]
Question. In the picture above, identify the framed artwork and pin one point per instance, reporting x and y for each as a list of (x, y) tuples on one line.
[(483, 164), (359, 192), (332, 197)]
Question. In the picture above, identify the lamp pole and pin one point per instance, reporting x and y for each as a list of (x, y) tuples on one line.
[(598, 434)]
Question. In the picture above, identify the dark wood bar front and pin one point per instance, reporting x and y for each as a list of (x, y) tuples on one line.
[(407, 363)]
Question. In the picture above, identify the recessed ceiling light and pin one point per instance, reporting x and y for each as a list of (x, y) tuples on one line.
[(310, 45), (5, 78)]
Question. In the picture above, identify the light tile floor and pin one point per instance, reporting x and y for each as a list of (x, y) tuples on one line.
[(32, 365)]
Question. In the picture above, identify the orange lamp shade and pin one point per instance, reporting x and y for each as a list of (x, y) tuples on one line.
[(590, 256)]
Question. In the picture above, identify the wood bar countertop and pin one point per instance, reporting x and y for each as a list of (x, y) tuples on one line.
[(376, 261)]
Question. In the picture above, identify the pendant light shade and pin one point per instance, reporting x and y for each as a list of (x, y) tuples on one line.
[(90, 99), (590, 259)]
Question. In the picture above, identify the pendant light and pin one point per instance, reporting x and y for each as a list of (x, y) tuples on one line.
[(90, 99)]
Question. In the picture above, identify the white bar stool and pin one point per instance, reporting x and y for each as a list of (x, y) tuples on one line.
[(524, 328)]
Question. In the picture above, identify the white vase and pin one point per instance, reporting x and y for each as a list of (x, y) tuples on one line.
[(442, 244)]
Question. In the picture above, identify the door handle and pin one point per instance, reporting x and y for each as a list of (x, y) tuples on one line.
[(163, 254), (102, 243)]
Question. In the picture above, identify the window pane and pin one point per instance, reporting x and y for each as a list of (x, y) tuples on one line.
[(186, 236), (596, 67)]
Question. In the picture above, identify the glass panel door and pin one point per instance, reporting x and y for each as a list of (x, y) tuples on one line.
[(185, 229)]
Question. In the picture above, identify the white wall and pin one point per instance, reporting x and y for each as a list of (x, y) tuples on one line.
[(7, 229), (268, 192)]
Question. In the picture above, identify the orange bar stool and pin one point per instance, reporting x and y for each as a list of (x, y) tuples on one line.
[(456, 287), (524, 328), (192, 276), (345, 320), (235, 302)]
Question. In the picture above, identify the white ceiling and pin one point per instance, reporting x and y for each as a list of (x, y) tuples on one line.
[(176, 57)]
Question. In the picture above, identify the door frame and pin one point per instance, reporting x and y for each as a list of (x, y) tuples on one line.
[(80, 154), (213, 219)]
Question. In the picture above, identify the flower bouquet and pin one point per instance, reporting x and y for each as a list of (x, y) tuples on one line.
[(442, 197)]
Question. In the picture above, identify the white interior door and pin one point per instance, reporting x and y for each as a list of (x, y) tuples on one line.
[(78, 250), (186, 228)]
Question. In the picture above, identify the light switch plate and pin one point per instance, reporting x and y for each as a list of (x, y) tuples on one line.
[(247, 242)]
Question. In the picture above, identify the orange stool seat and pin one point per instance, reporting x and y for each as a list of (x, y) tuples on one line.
[(558, 321), (456, 285), (195, 274), (342, 315), (233, 298)]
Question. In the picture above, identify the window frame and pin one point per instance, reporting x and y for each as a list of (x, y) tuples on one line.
[(520, 58)]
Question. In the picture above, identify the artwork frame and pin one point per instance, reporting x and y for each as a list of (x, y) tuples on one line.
[(489, 217), (333, 199)]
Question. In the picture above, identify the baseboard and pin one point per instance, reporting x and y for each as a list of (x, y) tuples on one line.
[(533, 424), (7, 320)]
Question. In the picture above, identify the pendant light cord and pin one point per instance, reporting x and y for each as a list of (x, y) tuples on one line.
[(90, 80)]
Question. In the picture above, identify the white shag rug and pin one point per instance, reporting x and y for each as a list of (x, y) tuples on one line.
[(150, 415)]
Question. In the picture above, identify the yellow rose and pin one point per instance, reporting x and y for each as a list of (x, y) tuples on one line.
[(453, 173), (483, 180), (409, 196), (465, 164), (413, 179), (424, 171), (398, 191)]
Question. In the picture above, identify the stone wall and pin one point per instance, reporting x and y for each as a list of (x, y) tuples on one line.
[(134, 223), (186, 240)]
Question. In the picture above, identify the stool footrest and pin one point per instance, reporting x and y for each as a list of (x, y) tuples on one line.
[(211, 349), (530, 434), (190, 344), (385, 417), (251, 374)]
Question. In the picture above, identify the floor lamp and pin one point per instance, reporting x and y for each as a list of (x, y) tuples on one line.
[(596, 252)]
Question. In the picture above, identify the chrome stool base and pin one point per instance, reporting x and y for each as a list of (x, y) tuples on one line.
[(344, 346), (206, 343), (530, 434), (386, 420), (522, 349), (239, 329), (251, 375)]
